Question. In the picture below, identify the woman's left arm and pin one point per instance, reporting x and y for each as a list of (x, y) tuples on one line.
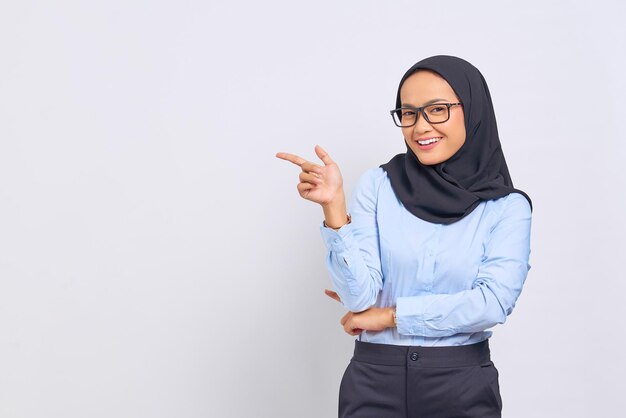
[(494, 293)]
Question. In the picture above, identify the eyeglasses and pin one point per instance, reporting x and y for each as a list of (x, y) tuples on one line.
[(405, 117)]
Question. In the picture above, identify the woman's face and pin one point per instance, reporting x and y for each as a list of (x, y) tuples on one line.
[(419, 89)]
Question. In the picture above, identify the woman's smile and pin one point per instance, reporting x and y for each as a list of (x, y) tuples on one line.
[(428, 143)]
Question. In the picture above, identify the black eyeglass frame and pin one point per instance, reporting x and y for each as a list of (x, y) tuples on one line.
[(421, 110)]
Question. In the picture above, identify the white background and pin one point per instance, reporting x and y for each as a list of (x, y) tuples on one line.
[(156, 259)]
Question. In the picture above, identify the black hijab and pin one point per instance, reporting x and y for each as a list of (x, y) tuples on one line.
[(446, 192)]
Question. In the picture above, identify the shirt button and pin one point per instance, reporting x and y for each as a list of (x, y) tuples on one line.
[(336, 240), (414, 356)]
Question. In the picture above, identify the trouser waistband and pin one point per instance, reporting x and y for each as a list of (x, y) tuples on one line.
[(419, 356)]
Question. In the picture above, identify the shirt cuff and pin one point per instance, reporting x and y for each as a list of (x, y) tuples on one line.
[(339, 240), (410, 316)]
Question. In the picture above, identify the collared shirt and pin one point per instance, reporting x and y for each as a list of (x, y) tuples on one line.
[(449, 283)]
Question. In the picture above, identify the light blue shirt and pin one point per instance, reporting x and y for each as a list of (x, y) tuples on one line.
[(449, 283)]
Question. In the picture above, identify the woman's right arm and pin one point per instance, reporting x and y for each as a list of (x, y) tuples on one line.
[(353, 250), (353, 257)]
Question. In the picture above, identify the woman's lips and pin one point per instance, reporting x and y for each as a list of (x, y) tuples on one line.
[(429, 146)]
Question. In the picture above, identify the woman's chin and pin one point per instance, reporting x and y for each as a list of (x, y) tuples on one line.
[(427, 160)]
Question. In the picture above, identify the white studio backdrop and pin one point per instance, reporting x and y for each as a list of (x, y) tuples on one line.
[(156, 259)]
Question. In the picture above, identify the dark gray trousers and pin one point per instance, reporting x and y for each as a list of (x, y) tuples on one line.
[(392, 381)]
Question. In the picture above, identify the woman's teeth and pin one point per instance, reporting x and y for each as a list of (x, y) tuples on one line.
[(428, 141)]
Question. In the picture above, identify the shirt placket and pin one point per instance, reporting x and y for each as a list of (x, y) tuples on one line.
[(431, 257), (426, 273)]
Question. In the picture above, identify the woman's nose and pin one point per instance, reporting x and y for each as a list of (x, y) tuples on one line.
[(422, 125)]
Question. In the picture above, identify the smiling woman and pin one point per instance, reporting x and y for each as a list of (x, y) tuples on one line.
[(433, 254)]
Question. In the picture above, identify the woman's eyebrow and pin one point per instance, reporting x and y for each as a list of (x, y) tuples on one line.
[(427, 103)]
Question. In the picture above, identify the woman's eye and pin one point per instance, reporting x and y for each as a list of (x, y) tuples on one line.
[(408, 113), (437, 109)]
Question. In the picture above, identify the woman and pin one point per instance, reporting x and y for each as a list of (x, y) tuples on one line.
[(433, 254)]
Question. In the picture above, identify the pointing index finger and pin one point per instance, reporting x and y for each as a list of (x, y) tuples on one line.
[(291, 157)]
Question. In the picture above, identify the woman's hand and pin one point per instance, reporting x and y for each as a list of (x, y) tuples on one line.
[(372, 319), (319, 184)]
